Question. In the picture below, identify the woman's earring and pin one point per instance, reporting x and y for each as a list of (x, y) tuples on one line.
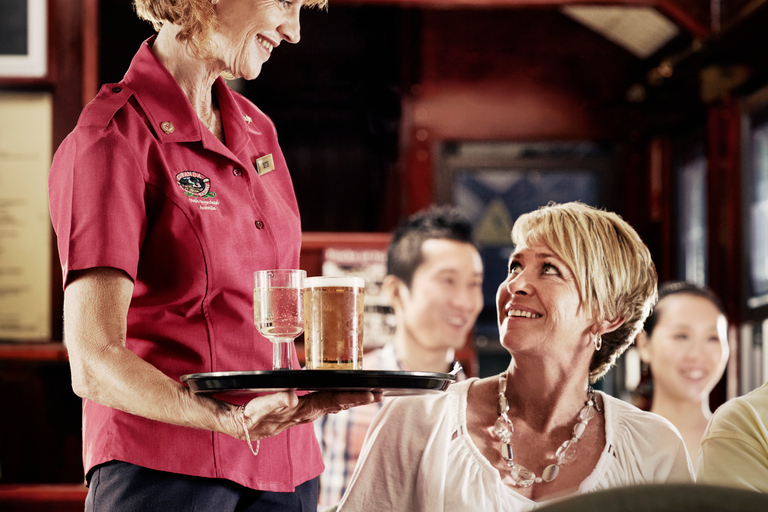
[(598, 341)]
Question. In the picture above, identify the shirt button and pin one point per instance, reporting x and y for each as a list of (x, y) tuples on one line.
[(167, 127), (117, 89), (237, 172), (259, 224)]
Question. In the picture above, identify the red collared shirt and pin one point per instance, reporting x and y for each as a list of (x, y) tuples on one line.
[(141, 185)]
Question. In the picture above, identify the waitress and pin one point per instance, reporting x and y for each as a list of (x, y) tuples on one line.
[(170, 192)]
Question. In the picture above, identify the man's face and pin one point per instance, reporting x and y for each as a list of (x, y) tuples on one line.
[(441, 306)]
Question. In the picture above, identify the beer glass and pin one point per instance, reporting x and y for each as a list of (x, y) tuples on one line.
[(333, 323), (278, 311)]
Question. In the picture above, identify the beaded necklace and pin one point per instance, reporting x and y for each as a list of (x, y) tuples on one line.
[(565, 454)]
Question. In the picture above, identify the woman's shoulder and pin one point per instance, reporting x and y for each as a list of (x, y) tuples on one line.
[(643, 447), (628, 420), (747, 411), (100, 111), (426, 412)]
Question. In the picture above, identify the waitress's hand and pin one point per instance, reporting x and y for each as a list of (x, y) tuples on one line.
[(269, 415)]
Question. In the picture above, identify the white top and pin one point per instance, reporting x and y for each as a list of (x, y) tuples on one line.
[(418, 456)]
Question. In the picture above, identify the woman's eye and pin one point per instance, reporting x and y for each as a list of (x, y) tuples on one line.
[(550, 269), (680, 336), (515, 267)]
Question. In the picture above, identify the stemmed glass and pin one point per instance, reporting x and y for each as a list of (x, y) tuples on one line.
[(278, 311)]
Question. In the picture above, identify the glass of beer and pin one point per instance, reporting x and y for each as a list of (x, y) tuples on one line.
[(333, 323), (278, 311)]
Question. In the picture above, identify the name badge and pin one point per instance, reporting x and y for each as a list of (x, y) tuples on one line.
[(265, 164)]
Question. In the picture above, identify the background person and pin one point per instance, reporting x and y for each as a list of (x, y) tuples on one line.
[(168, 195), (734, 449), (434, 284), (685, 344), (580, 285)]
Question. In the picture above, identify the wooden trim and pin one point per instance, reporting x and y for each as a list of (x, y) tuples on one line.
[(321, 240), (90, 50), (496, 4), (27, 351), (29, 493), (683, 18)]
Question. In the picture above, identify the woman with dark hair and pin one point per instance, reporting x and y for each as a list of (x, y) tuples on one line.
[(168, 195), (685, 345), (580, 284)]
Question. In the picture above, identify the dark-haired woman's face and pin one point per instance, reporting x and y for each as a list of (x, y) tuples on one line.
[(688, 348)]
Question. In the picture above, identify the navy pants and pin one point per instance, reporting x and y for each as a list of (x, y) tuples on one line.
[(122, 487)]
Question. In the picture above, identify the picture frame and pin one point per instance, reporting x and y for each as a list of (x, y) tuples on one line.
[(493, 183), (24, 45)]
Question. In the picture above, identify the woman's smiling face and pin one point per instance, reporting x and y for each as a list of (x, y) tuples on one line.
[(249, 30), (688, 348), (538, 304)]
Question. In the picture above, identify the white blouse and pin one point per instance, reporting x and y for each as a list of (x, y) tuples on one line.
[(418, 456)]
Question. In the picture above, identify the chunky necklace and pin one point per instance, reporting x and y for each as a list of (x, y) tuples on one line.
[(565, 454)]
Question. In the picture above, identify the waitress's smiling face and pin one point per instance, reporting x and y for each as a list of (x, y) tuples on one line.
[(249, 30)]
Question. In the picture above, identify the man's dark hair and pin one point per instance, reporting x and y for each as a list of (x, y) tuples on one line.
[(436, 222), (674, 288)]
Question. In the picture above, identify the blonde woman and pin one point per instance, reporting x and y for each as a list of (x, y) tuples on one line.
[(580, 284), (170, 192)]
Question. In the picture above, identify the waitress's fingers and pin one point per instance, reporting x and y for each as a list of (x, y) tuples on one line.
[(320, 404), (268, 415)]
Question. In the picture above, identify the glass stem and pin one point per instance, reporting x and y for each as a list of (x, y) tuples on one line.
[(281, 355)]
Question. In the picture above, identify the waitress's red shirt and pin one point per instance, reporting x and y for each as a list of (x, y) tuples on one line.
[(141, 185)]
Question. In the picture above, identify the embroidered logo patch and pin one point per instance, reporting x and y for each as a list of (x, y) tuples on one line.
[(195, 184)]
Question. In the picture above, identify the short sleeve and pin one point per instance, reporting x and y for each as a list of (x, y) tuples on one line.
[(734, 449), (96, 193)]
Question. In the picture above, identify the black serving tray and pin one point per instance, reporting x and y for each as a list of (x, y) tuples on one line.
[(389, 383)]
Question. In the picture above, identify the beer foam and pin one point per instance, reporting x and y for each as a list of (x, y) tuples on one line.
[(325, 281)]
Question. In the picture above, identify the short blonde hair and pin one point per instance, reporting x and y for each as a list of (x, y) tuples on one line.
[(613, 269), (197, 18)]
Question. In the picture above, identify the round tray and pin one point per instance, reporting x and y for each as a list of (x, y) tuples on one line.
[(389, 383)]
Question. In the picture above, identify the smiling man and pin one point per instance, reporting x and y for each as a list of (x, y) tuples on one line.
[(434, 283)]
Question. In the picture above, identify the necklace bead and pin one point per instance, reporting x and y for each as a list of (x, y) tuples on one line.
[(565, 454)]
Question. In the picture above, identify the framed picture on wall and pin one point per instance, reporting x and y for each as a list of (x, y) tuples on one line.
[(495, 182), (23, 39)]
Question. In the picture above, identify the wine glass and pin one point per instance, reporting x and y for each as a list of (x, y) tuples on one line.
[(278, 311)]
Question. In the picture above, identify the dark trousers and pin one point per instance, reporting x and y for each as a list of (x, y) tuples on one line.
[(122, 487)]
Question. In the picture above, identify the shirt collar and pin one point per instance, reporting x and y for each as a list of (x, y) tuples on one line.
[(167, 107)]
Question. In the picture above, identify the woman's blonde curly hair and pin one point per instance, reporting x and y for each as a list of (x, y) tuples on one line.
[(197, 19), (612, 266)]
